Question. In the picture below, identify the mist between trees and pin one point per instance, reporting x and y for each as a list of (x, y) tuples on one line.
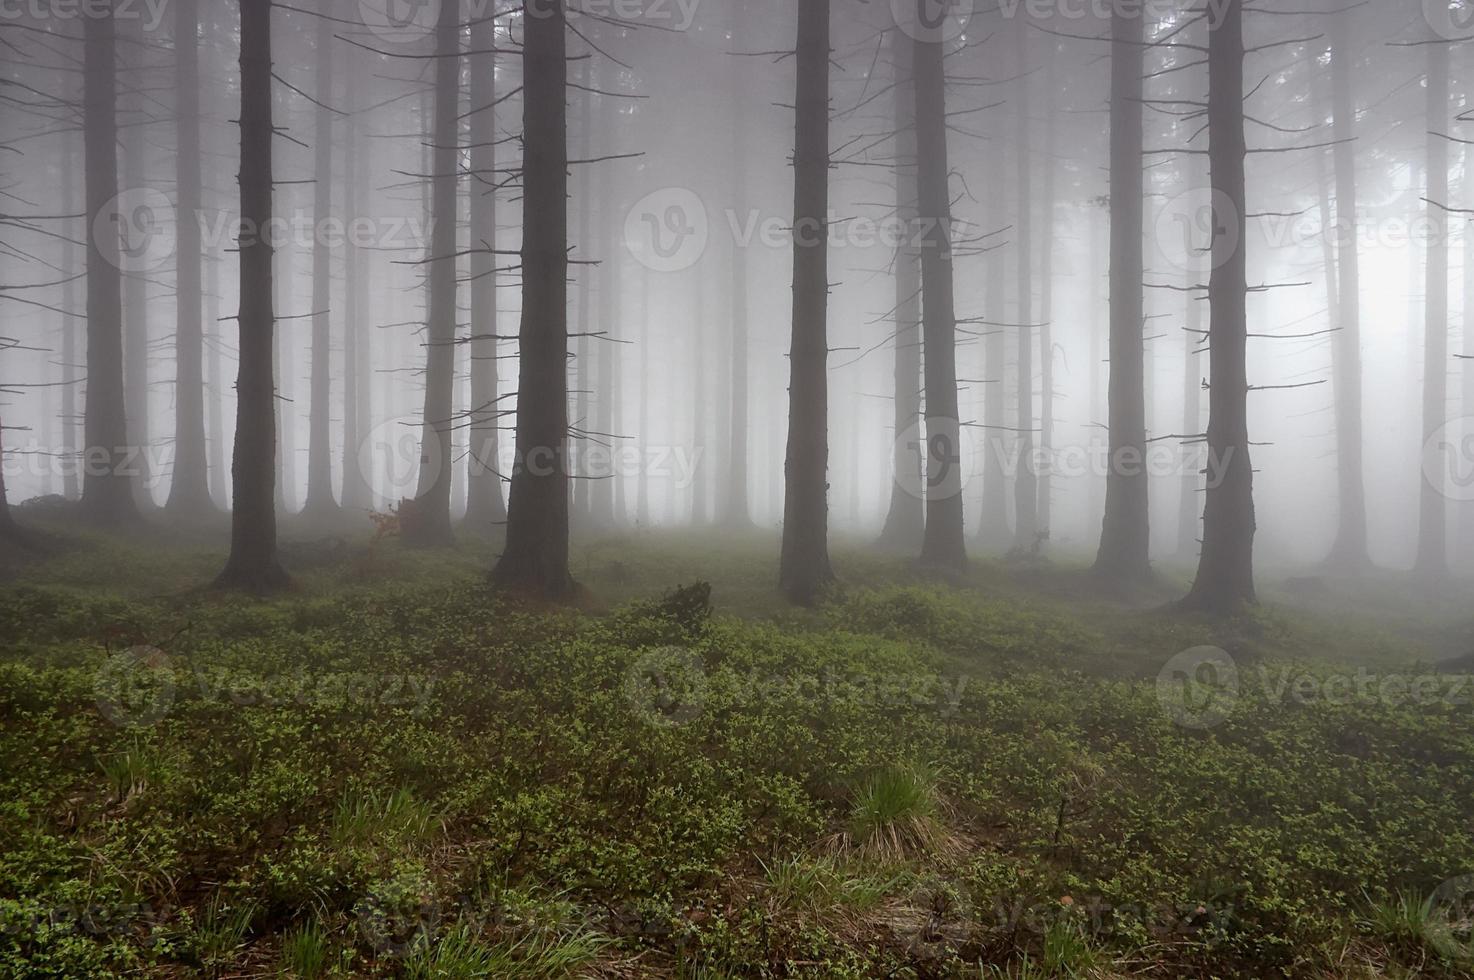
[(1125, 280)]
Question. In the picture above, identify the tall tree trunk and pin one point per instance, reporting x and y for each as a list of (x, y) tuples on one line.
[(356, 383), (136, 286), (1432, 559), (804, 568), (107, 490), (253, 565), (71, 444), (1350, 549), (642, 484), (1125, 538), (10, 531), (738, 508), (430, 524), (1189, 507), (1225, 579), (606, 500), (320, 501), (536, 555), (1026, 537), (1098, 272), (942, 545), (189, 491), (485, 508), (1466, 368), (905, 521), (583, 347), (1045, 515), (700, 395), (618, 367), (283, 364), (219, 468), (993, 522)]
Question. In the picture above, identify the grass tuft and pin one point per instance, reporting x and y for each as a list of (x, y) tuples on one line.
[(304, 951), (365, 817), (897, 814)]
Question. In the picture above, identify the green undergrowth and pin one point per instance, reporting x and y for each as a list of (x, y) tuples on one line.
[(394, 772)]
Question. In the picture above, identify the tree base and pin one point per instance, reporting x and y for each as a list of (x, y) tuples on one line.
[(1124, 574), (807, 587), (737, 520), (322, 514), (532, 579), (191, 508), (1347, 563), (17, 536), (484, 519), (901, 536), (421, 527), (270, 580), (1214, 603)]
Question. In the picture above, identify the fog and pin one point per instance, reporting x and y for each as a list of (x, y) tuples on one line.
[(680, 188)]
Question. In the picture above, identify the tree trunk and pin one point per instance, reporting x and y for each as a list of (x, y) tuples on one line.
[(1045, 516), (136, 285), (1026, 536), (71, 444), (804, 568), (1098, 272), (943, 545), (642, 439), (320, 501), (356, 494), (189, 490), (1225, 579), (253, 565), (7, 523), (219, 467), (738, 510), (739, 503), (9, 530), (1125, 538), (618, 367), (485, 508), (1432, 559), (700, 394), (536, 555), (283, 363), (1466, 369), (993, 531), (583, 347), (608, 502), (107, 491), (1189, 508), (1350, 548), (429, 524), (905, 521)]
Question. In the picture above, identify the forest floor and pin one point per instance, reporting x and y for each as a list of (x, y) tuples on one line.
[(393, 771)]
